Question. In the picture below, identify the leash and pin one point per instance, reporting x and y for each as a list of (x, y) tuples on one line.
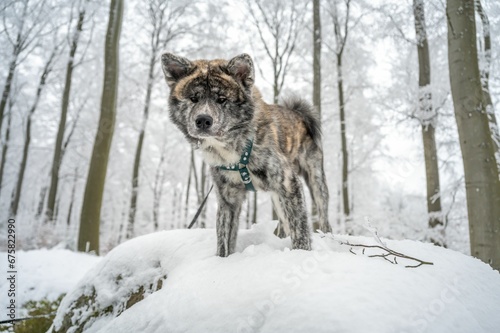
[(200, 208)]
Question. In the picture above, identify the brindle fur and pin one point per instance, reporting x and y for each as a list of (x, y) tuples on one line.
[(287, 142)]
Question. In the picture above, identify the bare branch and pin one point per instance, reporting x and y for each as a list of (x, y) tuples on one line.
[(257, 25), (387, 254)]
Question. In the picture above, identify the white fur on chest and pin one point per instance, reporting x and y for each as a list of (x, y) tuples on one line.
[(215, 153)]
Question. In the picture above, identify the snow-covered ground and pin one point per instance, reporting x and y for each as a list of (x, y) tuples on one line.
[(265, 287), (45, 274)]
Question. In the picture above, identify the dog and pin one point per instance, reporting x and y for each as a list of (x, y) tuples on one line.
[(219, 110)]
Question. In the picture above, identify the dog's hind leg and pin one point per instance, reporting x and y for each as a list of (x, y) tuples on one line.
[(229, 200), (314, 176), (283, 229), (291, 209)]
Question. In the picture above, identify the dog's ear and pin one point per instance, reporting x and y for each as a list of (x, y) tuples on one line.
[(241, 69), (175, 68)]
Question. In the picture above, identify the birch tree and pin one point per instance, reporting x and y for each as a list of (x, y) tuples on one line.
[(88, 236), (427, 116), (481, 172)]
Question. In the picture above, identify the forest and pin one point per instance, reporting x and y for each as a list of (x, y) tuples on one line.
[(408, 93)]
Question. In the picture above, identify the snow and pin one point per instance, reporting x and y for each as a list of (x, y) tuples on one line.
[(45, 274), (266, 287)]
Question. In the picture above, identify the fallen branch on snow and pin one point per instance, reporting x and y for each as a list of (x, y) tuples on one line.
[(389, 255)]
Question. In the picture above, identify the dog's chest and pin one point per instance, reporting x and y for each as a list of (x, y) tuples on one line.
[(235, 178), (216, 153)]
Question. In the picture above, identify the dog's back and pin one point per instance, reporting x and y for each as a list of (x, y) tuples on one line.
[(293, 129)]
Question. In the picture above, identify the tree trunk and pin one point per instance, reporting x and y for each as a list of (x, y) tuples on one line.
[(435, 217), (72, 199), (188, 191), (138, 151), (158, 190), (41, 201), (57, 158), (316, 83), (14, 204), (340, 43), (317, 56), (5, 148), (195, 175), (485, 80), (343, 139), (16, 197), (6, 88), (179, 208), (88, 237), (174, 208), (280, 229), (203, 215), (480, 169), (201, 190), (254, 213), (247, 216), (428, 119)]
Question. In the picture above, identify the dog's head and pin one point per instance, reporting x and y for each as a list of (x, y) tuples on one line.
[(210, 98)]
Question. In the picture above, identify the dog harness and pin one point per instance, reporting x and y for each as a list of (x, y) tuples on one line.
[(242, 166)]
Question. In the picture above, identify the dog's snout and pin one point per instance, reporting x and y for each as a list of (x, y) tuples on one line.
[(204, 121)]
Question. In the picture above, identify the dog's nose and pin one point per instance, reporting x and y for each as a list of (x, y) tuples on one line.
[(204, 121)]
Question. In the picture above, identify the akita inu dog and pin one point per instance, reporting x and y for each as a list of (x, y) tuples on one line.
[(249, 145)]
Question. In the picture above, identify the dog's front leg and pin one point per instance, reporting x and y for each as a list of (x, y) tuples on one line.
[(289, 202), (230, 199)]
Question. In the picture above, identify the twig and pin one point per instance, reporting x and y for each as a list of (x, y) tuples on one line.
[(387, 255)]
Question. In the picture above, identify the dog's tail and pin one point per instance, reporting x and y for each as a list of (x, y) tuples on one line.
[(310, 116)]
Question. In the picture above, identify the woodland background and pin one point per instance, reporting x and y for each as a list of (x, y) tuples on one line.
[(52, 75)]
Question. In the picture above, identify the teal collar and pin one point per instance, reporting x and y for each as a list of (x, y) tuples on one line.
[(242, 166)]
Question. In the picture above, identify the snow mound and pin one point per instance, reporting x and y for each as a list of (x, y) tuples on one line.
[(45, 274), (171, 281)]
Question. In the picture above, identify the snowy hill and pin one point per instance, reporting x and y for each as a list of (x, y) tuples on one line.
[(171, 282)]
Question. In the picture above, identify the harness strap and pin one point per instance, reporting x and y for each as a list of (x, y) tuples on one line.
[(242, 166)]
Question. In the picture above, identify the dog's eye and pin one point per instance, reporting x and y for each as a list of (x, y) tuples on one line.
[(194, 99), (221, 99)]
